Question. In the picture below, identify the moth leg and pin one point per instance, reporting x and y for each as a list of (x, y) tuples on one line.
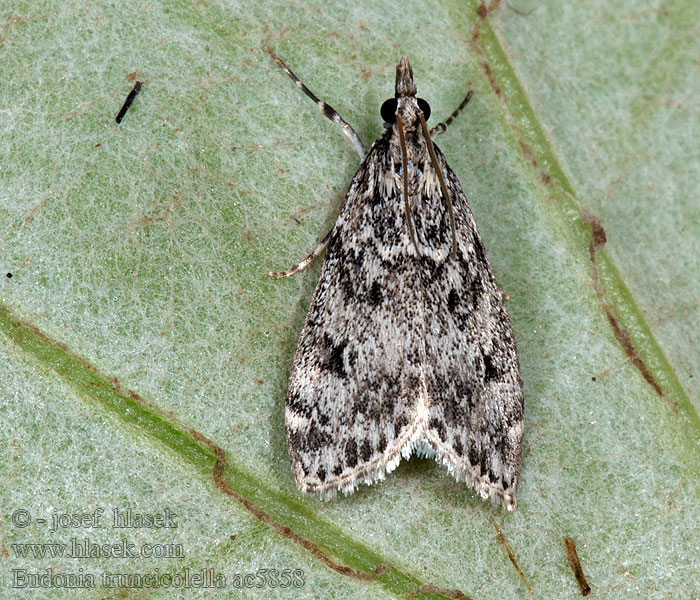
[(442, 127), (326, 109), (304, 263)]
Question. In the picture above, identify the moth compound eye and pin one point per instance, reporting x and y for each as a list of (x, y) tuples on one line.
[(424, 107), (388, 111)]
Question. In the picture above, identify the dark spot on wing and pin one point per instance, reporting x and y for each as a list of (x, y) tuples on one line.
[(476, 289), (452, 300), (372, 410), (351, 453), (491, 371), (439, 427), (315, 438), (334, 356), (360, 406), (344, 277), (365, 451), (483, 466), (351, 358), (295, 441), (479, 249), (375, 293), (399, 424), (473, 455), (299, 406), (455, 413)]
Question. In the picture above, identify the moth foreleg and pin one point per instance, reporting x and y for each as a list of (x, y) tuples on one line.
[(304, 263), (326, 109)]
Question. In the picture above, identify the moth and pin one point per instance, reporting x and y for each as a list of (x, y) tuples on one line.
[(406, 346)]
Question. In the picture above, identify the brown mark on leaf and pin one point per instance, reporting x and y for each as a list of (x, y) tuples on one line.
[(428, 588), (522, 13), (596, 241), (32, 212), (575, 563), (502, 540), (492, 80), (482, 12), (530, 157), (16, 20)]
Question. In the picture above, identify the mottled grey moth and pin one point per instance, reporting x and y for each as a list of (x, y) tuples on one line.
[(406, 345)]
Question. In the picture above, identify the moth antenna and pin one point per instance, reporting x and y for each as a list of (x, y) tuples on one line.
[(442, 127), (404, 162), (443, 187)]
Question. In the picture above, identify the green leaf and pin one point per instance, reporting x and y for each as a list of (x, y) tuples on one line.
[(145, 353)]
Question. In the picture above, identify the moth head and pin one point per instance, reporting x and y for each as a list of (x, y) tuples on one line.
[(405, 92), (404, 79)]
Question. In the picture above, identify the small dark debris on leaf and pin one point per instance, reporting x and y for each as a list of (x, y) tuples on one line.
[(572, 555), (129, 99)]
